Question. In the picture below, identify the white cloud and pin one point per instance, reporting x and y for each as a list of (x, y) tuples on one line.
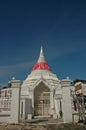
[(9, 69)]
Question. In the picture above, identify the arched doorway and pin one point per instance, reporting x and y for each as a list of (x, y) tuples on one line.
[(41, 100)]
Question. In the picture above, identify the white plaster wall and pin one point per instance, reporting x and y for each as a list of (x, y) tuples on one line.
[(5, 118), (15, 105), (15, 101), (66, 105)]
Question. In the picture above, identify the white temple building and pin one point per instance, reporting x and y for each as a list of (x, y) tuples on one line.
[(41, 94), (42, 87)]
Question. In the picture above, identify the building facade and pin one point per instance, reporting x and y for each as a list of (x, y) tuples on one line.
[(41, 94)]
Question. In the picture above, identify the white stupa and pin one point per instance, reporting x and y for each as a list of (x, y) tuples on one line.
[(40, 86)]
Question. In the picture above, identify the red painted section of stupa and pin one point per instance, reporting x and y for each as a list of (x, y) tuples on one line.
[(41, 65)]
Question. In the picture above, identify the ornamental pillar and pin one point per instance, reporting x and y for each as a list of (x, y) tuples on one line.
[(66, 100), (15, 101), (52, 105)]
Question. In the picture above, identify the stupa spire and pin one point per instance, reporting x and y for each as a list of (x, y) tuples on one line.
[(41, 51), (41, 56)]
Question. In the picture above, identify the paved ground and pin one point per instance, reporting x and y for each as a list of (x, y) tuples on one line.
[(42, 124), (34, 126)]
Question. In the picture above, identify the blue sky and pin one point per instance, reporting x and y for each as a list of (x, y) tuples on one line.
[(58, 25)]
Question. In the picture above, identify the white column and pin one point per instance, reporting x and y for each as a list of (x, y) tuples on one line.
[(52, 105), (31, 96), (15, 101), (58, 107), (51, 99), (66, 101)]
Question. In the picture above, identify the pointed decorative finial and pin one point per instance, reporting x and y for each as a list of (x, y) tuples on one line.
[(13, 78), (41, 56), (41, 51), (68, 78)]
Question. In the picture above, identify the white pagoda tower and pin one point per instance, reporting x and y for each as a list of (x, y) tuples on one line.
[(41, 88)]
